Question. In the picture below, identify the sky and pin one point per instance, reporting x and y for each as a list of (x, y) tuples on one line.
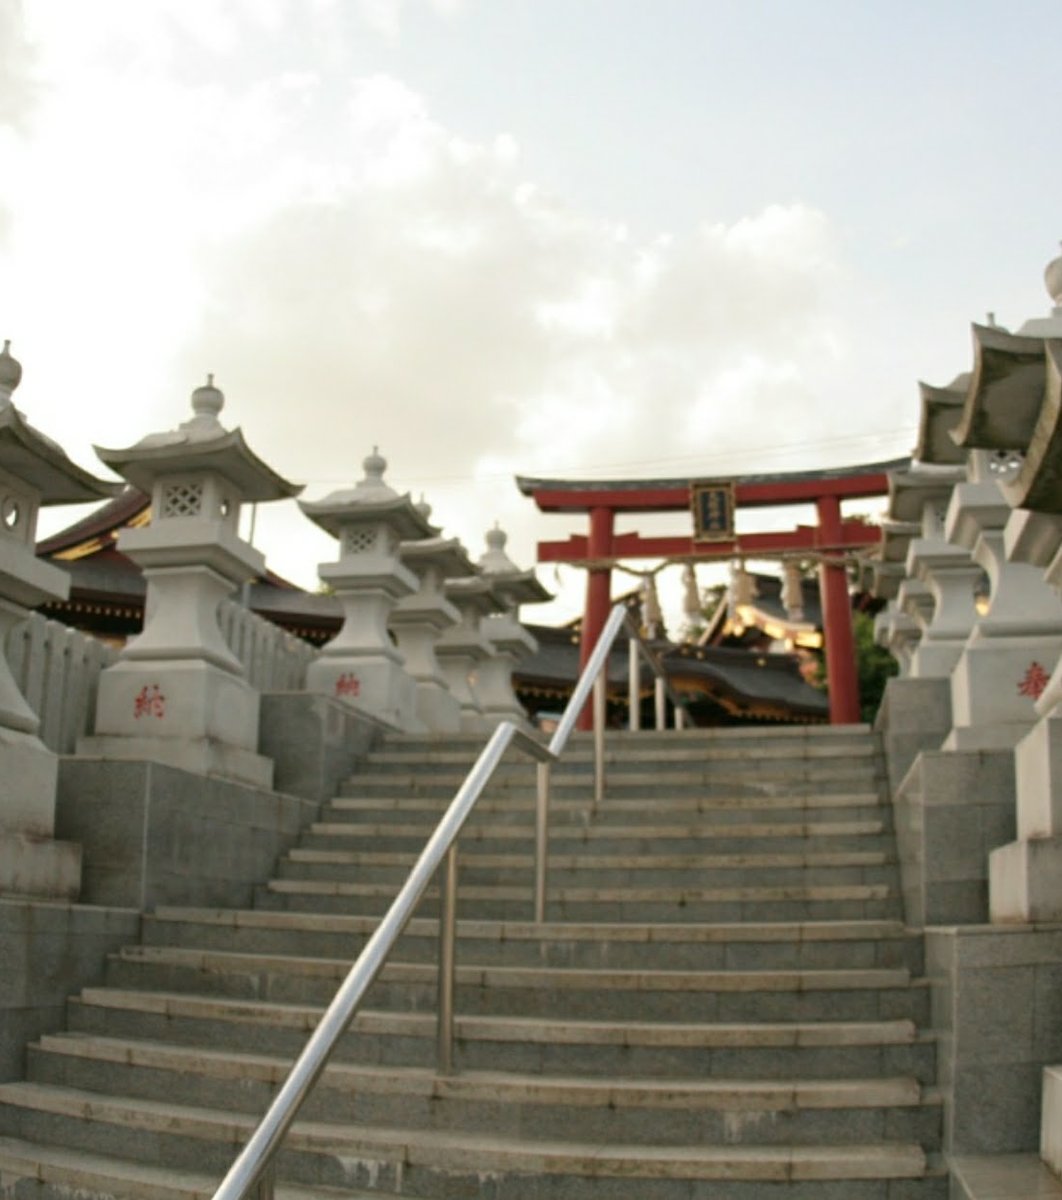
[(595, 238)]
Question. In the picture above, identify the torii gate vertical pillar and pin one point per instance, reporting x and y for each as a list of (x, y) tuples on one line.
[(837, 621), (598, 593)]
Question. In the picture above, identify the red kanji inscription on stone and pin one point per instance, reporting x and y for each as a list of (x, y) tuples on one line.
[(149, 702), (1033, 682), (348, 685)]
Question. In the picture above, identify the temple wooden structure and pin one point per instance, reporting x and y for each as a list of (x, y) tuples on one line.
[(712, 505)]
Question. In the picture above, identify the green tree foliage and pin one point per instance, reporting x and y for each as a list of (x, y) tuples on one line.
[(874, 665)]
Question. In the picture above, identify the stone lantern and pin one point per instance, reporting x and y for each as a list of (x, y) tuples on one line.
[(463, 646), (177, 693), (509, 639), (362, 665), (418, 621), (33, 471)]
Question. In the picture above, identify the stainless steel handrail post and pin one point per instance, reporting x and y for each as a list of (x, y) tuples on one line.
[(447, 956), (265, 1188), (543, 780), (600, 713), (660, 702)]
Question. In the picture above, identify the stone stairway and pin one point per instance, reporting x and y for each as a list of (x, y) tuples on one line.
[(723, 1003)]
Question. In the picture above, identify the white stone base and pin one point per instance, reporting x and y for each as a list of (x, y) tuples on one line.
[(203, 756), (1025, 882), (438, 710), (935, 660), (986, 690), (1038, 761), (1003, 736), (474, 721), (1051, 1120), (41, 868), (29, 771), (376, 685), (186, 700)]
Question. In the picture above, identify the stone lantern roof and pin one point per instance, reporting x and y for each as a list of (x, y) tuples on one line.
[(476, 593), (1006, 390), (910, 490), (370, 500), (941, 411), (895, 538), (201, 443), (506, 578), (36, 460), (446, 555)]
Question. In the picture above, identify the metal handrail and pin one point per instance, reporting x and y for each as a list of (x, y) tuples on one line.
[(252, 1172)]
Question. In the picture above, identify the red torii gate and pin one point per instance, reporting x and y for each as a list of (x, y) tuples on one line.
[(833, 536)]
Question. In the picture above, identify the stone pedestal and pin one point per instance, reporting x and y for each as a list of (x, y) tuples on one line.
[(951, 578), (462, 648), (921, 495), (899, 634), (177, 694), (992, 702), (509, 643), (1026, 876), (419, 621), (33, 471), (361, 665)]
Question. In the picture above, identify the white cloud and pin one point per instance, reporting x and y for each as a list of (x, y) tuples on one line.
[(357, 273)]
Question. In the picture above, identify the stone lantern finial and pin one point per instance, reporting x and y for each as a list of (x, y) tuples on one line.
[(207, 402), (1053, 280), (496, 561), (10, 373), (372, 487)]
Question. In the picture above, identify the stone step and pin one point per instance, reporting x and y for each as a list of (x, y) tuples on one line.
[(36, 1171), (748, 779), (643, 995), (741, 1050), (660, 903), (866, 834), (568, 871), (622, 752), (427, 810), (665, 1111), (639, 946), (434, 1163)]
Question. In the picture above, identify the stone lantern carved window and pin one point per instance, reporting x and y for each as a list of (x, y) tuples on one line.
[(359, 541), (1005, 464), (182, 499), (18, 513)]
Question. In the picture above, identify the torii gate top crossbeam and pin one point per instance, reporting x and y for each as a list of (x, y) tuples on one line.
[(673, 495)]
